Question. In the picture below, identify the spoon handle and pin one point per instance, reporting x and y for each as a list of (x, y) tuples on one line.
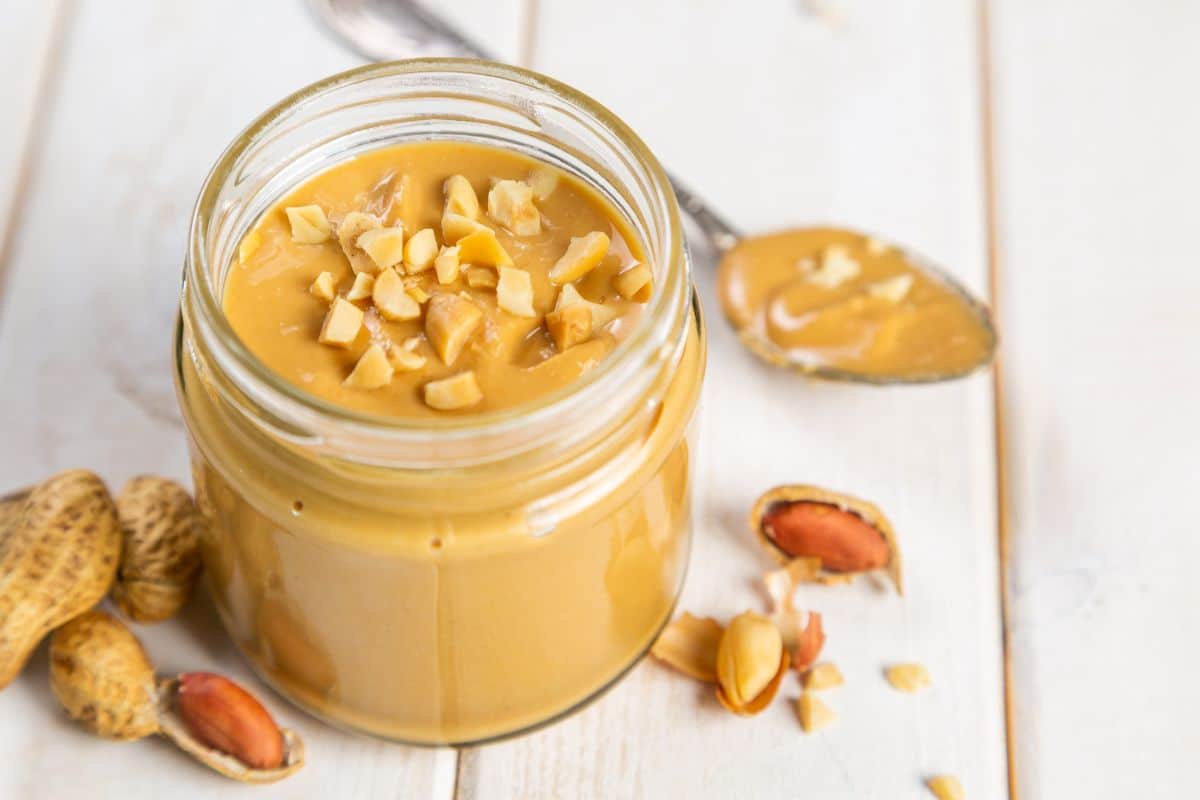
[(386, 29)]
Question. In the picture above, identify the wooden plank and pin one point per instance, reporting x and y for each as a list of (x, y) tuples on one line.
[(784, 120), (30, 38), (145, 100), (1096, 135)]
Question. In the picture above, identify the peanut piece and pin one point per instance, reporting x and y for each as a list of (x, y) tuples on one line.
[(372, 371), (417, 293), (543, 181), (249, 246), (482, 278), (511, 204), (823, 676), (224, 716), (420, 251), (750, 663), (446, 265), (364, 284), (342, 324), (323, 287), (482, 247), (836, 267), (309, 224), (601, 314), (456, 227), (908, 677), (460, 197), (384, 246), (877, 247), (351, 229), (405, 359), (813, 714), (449, 323), (455, 392), (569, 326), (514, 292), (392, 300), (946, 787), (892, 289), (635, 283), (582, 255)]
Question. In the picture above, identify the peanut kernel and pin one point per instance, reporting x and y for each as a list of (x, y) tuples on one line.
[(350, 230), (813, 713), (455, 392), (823, 676), (514, 292), (449, 323), (372, 370), (482, 247), (342, 323), (384, 246), (582, 256), (323, 288), (391, 298), (421, 250), (635, 283), (446, 265), (908, 677), (460, 197), (511, 204), (364, 283), (309, 224)]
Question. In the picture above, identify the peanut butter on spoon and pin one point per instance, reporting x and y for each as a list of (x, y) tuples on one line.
[(842, 305)]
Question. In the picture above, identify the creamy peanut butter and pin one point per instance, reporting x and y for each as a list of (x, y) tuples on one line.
[(444, 603), (436, 277), (833, 297)]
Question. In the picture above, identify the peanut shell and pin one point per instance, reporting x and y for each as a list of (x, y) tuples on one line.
[(56, 561), (160, 558)]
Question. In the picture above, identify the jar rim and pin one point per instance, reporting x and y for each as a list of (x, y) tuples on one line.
[(200, 292)]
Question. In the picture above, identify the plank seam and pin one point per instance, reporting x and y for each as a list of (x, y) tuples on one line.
[(34, 139), (994, 265)]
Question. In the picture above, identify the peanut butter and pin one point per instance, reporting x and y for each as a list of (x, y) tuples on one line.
[(434, 278), (836, 298)]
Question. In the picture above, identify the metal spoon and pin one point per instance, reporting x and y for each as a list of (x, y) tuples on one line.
[(383, 30)]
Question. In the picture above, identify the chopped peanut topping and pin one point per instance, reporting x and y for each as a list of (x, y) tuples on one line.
[(482, 278), (569, 326), (635, 284), (421, 250), (456, 226), (601, 314), (823, 676), (309, 225), (458, 391), (391, 298), (877, 247), (249, 246), (511, 204), (446, 265), (837, 266), (385, 246), (323, 288), (418, 294), (582, 256), (946, 787), (371, 371), (364, 284), (543, 182), (405, 359), (450, 320), (351, 229), (908, 677), (482, 247), (813, 714), (342, 324), (892, 289), (514, 292), (460, 197)]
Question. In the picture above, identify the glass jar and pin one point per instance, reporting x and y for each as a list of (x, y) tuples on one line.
[(461, 579)]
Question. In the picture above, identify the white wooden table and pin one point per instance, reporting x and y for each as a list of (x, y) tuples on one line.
[(1046, 150)]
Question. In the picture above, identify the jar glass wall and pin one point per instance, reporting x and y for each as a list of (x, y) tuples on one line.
[(458, 580)]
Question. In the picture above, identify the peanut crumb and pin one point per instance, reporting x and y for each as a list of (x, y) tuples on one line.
[(384, 246), (446, 265), (350, 230), (511, 204), (456, 227), (482, 247), (814, 714), (946, 787), (450, 322), (635, 283), (481, 278), (569, 326), (582, 256), (514, 292), (392, 299), (823, 676), (460, 197), (908, 677), (364, 283), (420, 250)]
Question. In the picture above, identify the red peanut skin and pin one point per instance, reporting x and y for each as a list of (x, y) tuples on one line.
[(841, 539), (225, 717)]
